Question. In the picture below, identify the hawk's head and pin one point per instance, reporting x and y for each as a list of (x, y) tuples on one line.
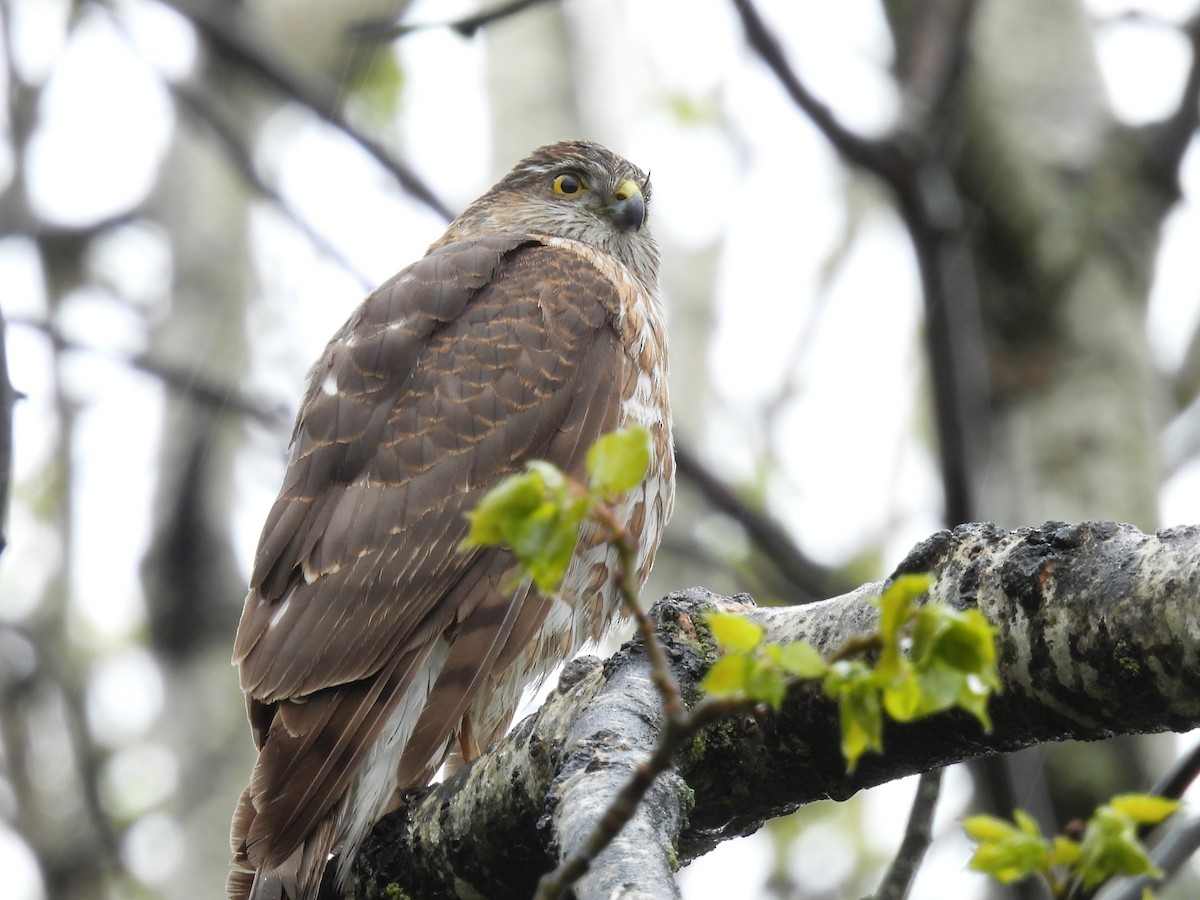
[(572, 189)]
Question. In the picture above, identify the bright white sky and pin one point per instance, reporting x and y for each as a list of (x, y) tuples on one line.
[(105, 124)]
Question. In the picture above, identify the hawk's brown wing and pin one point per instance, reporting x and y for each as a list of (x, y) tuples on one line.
[(481, 356)]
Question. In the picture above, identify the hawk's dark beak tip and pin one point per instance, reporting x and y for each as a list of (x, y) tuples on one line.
[(629, 213)]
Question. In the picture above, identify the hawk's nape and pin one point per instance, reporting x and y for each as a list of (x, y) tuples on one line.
[(370, 646)]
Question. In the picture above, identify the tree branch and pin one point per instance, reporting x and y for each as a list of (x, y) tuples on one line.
[(918, 834), (813, 580), (931, 208), (198, 105), (182, 379), (467, 26), (8, 399), (1167, 141), (229, 31), (1092, 641), (880, 157)]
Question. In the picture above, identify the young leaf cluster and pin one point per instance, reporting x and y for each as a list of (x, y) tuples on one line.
[(1110, 846), (537, 513), (750, 669), (930, 658)]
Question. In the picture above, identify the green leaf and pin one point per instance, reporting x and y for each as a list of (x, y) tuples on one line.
[(545, 546), (799, 658), (1008, 852), (1026, 823), (765, 683), (618, 462), (1145, 809), (727, 677), (929, 622), (902, 697), (1064, 852), (513, 498), (975, 702), (955, 657), (861, 719), (1011, 860), (735, 633), (1110, 846), (554, 482), (967, 642), (537, 516), (988, 828), (896, 603)]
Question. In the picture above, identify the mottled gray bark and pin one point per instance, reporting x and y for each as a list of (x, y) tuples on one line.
[(1096, 636)]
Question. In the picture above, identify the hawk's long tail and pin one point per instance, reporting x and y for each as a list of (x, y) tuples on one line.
[(296, 878)]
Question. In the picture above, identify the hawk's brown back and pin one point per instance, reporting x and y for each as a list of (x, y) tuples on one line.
[(478, 358), (369, 639)]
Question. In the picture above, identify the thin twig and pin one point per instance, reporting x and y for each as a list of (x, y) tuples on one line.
[(918, 834), (880, 157), (660, 668), (933, 50), (931, 208), (1180, 776), (675, 734), (679, 725), (228, 30), (8, 399), (200, 106), (1167, 140), (186, 381), (811, 578), (467, 26)]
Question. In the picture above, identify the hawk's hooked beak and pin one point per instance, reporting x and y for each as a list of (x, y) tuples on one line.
[(628, 206)]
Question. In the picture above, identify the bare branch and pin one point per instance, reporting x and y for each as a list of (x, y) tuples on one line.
[(1167, 141), (467, 26), (1180, 776), (931, 208), (8, 399), (931, 53), (879, 157), (810, 578), (186, 381), (229, 31), (917, 836), (199, 105)]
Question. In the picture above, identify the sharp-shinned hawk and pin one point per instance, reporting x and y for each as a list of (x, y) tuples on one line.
[(370, 646)]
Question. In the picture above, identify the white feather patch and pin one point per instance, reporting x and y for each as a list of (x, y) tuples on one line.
[(375, 782)]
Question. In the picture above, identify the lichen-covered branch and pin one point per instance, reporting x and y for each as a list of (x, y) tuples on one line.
[(1097, 635)]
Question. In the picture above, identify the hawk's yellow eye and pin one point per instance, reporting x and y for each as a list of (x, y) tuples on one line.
[(569, 185)]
